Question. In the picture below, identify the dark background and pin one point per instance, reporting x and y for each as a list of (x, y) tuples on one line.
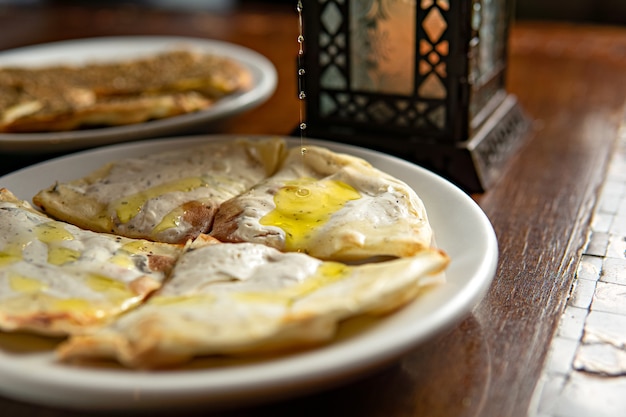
[(585, 11), (588, 11)]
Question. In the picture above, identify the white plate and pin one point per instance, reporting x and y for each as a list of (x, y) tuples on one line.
[(76, 52), (30, 373)]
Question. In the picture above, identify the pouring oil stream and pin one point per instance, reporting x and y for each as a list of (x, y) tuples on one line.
[(301, 192)]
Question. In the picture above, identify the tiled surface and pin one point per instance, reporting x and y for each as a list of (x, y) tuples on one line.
[(585, 373)]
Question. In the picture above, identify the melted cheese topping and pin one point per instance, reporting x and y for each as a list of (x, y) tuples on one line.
[(304, 205)]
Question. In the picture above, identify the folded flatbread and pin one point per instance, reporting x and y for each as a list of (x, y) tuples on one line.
[(248, 298), (58, 279), (329, 205), (60, 98), (170, 196)]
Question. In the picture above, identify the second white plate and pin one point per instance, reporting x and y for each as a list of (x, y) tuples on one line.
[(29, 370), (80, 51)]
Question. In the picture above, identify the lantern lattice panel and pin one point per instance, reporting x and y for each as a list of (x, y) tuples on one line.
[(421, 79), (366, 73)]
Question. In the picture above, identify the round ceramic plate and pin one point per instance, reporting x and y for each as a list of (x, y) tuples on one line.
[(76, 52), (29, 370)]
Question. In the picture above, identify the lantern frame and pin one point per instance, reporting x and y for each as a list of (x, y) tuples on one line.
[(454, 116)]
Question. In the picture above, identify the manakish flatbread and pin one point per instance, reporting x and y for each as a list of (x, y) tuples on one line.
[(248, 298), (58, 279), (329, 205), (170, 196), (59, 98)]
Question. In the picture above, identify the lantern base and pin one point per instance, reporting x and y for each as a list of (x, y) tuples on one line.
[(474, 165)]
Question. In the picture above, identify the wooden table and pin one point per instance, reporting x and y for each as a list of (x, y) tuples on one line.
[(569, 79)]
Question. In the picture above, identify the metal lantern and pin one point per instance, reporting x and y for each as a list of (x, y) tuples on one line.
[(420, 79)]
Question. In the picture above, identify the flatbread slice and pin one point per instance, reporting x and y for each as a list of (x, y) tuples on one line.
[(248, 298), (27, 116), (331, 206), (57, 279), (59, 98), (168, 197)]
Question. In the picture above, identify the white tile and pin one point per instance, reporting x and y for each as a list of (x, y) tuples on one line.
[(572, 323), (621, 209), (561, 355), (614, 270), (617, 169), (582, 294), (546, 395), (601, 358), (598, 242), (601, 222), (609, 297), (618, 226), (616, 247), (589, 268), (601, 327), (610, 196), (588, 395)]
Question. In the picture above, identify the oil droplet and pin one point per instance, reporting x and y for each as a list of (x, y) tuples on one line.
[(302, 192), (301, 72), (303, 150)]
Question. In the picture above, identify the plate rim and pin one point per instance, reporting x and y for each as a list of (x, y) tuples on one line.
[(228, 386), (265, 82)]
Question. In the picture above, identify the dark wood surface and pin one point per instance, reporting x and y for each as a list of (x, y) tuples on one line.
[(569, 79)]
